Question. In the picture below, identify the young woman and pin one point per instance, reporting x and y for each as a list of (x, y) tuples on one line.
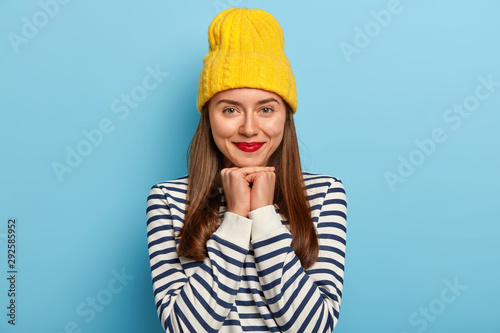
[(247, 241)]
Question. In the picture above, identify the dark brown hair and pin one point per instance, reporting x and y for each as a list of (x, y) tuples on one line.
[(205, 162)]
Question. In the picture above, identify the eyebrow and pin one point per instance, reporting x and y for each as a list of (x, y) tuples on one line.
[(264, 101)]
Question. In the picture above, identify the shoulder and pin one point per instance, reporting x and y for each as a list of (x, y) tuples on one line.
[(326, 196), (175, 187), (319, 181)]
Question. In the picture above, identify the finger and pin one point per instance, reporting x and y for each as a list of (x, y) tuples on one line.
[(228, 170), (269, 175), (250, 170)]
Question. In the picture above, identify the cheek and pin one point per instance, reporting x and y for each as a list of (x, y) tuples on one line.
[(222, 130), (275, 128)]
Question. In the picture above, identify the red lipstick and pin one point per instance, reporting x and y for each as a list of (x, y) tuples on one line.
[(249, 147)]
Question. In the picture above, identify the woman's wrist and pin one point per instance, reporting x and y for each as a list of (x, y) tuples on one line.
[(239, 211), (254, 209)]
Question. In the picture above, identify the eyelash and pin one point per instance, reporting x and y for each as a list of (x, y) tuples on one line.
[(226, 110)]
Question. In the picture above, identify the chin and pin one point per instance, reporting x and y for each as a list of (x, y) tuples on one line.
[(252, 164), (246, 163)]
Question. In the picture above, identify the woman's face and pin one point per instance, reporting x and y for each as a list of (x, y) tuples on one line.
[(247, 125)]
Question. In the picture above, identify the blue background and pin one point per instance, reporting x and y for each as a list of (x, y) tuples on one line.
[(368, 90)]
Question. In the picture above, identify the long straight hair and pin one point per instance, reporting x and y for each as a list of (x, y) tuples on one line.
[(203, 200)]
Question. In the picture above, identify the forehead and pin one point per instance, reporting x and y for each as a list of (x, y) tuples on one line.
[(245, 96)]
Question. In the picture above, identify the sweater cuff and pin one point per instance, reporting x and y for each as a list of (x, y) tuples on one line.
[(265, 219), (236, 229)]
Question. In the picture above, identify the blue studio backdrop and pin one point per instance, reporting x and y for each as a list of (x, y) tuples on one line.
[(400, 99)]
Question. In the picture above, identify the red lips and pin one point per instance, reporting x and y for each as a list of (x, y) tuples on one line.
[(249, 147)]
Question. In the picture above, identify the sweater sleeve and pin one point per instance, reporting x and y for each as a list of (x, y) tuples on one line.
[(199, 302), (302, 300)]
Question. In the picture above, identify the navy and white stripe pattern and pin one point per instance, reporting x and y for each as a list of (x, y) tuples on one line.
[(251, 281)]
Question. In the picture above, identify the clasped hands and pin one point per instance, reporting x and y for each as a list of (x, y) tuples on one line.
[(240, 197)]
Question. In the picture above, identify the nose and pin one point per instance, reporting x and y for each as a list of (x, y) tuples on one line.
[(250, 126)]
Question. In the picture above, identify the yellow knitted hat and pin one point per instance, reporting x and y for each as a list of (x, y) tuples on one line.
[(246, 50)]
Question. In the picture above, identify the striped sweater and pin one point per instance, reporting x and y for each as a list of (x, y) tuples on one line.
[(251, 281)]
